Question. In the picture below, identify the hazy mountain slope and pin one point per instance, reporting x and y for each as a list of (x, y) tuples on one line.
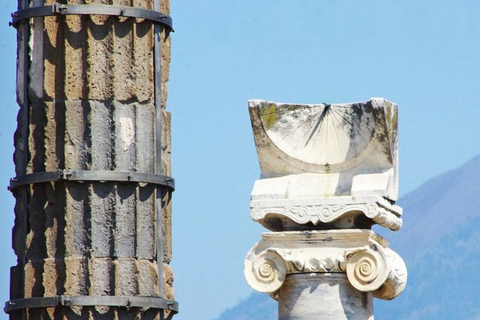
[(440, 243)]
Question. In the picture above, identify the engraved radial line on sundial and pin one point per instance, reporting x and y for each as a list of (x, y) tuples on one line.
[(335, 116), (336, 137), (301, 124), (332, 140), (341, 114), (346, 123), (343, 117), (318, 124), (311, 119), (325, 144)]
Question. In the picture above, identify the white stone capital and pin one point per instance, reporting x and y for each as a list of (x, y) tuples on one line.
[(363, 255)]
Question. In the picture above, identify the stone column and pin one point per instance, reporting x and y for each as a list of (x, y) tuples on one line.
[(329, 172), (92, 157)]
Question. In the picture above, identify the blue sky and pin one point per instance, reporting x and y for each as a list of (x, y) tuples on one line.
[(423, 55)]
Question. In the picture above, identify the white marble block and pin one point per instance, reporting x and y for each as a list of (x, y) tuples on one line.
[(326, 165)]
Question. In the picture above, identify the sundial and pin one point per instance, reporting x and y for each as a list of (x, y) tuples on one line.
[(319, 134), (324, 138), (326, 156)]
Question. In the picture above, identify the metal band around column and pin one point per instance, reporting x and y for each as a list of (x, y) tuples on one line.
[(89, 175), (108, 301), (91, 9), (160, 21)]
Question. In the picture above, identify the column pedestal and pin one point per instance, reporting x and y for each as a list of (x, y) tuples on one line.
[(324, 296)]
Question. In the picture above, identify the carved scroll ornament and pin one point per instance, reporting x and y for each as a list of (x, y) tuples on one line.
[(370, 265)]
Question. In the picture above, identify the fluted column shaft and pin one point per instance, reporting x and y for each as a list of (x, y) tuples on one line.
[(323, 297), (89, 105)]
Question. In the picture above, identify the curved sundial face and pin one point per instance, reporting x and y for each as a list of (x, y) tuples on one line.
[(319, 134)]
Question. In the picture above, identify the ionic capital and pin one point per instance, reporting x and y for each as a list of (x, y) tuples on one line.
[(363, 255)]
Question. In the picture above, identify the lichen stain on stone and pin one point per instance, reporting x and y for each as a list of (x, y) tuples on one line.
[(269, 116), (392, 120)]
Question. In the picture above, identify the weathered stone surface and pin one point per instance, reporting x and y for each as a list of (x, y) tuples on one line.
[(329, 172), (326, 165), (323, 297), (363, 255), (351, 147), (288, 212), (90, 106)]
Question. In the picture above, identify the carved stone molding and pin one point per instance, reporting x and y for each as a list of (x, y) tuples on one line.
[(397, 277), (363, 255), (341, 211)]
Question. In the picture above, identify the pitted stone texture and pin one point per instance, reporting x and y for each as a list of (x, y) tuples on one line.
[(95, 58), (94, 276), (90, 145), (101, 271), (326, 166), (91, 107)]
